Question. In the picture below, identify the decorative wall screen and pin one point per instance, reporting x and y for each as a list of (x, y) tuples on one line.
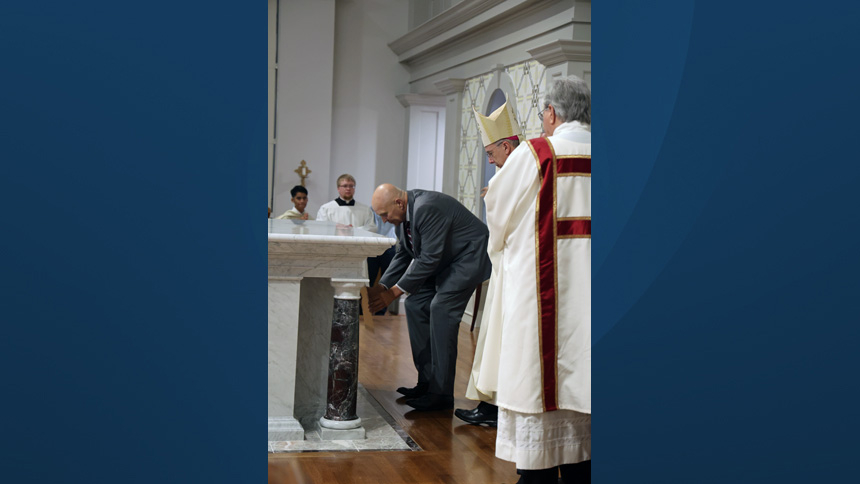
[(471, 149), (528, 81)]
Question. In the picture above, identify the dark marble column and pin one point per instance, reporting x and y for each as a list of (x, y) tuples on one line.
[(340, 419), (343, 362)]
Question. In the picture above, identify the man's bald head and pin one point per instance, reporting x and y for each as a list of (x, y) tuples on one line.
[(389, 202)]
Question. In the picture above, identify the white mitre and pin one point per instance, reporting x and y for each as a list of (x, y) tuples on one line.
[(500, 124)]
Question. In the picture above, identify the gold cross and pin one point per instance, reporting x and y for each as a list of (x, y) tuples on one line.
[(303, 172)]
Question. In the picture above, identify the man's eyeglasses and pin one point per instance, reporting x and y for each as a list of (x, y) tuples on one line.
[(540, 114), (493, 149), (346, 186)]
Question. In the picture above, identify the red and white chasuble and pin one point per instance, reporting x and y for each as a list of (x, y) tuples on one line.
[(534, 347)]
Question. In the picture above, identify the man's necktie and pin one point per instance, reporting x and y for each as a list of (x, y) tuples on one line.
[(408, 231)]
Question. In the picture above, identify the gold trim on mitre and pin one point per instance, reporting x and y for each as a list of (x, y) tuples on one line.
[(500, 124)]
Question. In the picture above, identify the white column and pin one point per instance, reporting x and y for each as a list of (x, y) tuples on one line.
[(453, 90)]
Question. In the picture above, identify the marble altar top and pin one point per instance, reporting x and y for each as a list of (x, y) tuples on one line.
[(310, 248), (310, 231)]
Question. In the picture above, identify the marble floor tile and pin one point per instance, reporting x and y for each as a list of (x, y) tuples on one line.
[(319, 446), (382, 443), (382, 431)]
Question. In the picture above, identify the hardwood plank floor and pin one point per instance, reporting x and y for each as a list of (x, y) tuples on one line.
[(453, 452)]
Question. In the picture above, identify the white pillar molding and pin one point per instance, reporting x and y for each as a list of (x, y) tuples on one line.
[(562, 50), (348, 288), (425, 118), (452, 88), (564, 58), (408, 100)]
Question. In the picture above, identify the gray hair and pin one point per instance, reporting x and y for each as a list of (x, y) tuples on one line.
[(571, 99), (513, 143)]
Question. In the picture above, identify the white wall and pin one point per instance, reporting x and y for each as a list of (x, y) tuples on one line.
[(336, 106), (369, 126), (304, 103), (338, 80)]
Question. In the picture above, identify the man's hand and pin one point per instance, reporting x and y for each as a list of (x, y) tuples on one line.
[(484, 192), (373, 292), (373, 295), (380, 298), (304, 216)]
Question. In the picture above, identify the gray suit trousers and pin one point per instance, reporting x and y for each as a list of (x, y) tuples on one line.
[(433, 319)]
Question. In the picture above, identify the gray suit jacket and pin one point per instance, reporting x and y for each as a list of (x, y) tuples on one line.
[(449, 243)]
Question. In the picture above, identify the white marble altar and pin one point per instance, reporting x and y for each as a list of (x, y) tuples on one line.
[(310, 264)]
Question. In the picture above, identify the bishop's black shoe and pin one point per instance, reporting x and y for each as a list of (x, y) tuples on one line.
[(542, 476), (418, 390), (484, 414), (431, 401)]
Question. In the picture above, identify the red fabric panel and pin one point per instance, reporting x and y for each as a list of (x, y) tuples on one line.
[(574, 227), (574, 165), (546, 271)]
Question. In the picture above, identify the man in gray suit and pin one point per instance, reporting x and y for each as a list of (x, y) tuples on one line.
[(441, 258)]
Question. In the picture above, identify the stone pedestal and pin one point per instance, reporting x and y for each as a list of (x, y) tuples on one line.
[(283, 338)]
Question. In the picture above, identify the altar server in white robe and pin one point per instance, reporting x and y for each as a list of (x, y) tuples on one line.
[(533, 357), (345, 209)]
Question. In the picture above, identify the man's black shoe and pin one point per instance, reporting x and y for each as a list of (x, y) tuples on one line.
[(431, 401), (484, 414), (414, 392)]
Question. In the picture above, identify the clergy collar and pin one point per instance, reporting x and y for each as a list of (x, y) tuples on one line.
[(342, 203), (571, 126)]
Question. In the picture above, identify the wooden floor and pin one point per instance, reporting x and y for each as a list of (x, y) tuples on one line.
[(453, 452)]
